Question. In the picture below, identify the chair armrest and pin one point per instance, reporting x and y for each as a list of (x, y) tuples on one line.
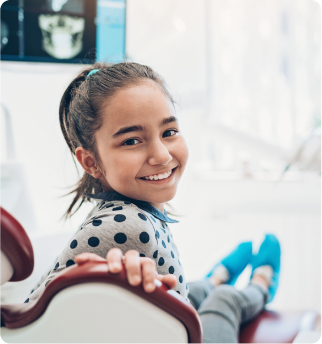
[(16, 246), (6, 269)]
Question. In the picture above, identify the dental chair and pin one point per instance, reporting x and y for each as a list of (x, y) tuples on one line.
[(87, 304)]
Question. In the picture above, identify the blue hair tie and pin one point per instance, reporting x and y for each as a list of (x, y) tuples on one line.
[(92, 72)]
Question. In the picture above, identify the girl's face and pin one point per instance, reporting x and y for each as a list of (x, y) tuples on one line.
[(140, 138)]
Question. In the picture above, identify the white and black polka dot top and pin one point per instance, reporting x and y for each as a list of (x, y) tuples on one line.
[(126, 224)]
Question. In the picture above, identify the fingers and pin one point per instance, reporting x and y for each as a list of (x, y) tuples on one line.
[(149, 274), (88, 257), (137, 268), (169, 280), (114, 260), (133, 267)]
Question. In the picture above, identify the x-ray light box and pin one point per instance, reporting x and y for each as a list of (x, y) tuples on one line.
[(68, 31)]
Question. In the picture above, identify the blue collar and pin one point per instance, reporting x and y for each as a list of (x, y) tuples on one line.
[(115, 196)]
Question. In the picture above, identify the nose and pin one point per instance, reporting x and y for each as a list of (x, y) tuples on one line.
[(159, 154)]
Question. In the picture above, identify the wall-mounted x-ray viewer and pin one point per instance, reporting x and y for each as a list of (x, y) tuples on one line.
[(68, 31)]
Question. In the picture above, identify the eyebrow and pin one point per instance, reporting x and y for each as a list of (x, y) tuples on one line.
[(129, 129), (168, 120)]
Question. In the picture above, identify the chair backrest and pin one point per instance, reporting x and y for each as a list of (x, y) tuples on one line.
[(16, 250), (88, 304)]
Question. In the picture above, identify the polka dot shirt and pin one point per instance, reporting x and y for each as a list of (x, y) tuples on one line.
[(125, 225)]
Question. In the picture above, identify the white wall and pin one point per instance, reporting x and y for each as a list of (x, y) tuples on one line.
[(32, 93)]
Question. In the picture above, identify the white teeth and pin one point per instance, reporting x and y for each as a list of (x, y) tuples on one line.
[(159, 176)]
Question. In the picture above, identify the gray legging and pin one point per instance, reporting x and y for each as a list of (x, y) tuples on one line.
[(223, 309)]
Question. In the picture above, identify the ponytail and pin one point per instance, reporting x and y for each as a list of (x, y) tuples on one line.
[(87, 184)]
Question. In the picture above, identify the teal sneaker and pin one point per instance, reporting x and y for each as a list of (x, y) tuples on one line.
[(269, 254), (235, 262)]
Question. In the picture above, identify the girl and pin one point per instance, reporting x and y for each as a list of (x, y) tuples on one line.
[(119, 121)]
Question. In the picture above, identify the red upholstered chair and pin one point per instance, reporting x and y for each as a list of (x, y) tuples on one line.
[(84, 303)]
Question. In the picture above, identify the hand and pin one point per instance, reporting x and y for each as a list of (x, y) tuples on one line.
[(137, 268)]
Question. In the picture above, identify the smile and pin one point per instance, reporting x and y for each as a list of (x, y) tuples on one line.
[(161, 176)]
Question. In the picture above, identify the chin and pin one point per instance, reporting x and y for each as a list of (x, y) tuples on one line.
[(161, 198)]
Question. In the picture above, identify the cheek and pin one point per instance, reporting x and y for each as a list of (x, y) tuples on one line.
[(182, 152), (121, 167)]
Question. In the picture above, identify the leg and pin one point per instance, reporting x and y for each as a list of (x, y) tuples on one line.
[(226, 271), (198, 291), (226, 308)]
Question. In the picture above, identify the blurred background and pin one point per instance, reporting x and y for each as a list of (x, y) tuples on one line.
[(246, 76)]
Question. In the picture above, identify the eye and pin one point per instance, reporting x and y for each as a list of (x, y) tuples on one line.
[(169, 133), (130, 142)]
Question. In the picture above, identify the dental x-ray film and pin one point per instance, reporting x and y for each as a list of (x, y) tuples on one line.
[(68, 31)]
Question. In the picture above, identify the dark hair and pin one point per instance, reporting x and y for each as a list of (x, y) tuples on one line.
[(80, 112)]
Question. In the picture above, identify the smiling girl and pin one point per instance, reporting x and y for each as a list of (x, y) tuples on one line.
[(119, 121)]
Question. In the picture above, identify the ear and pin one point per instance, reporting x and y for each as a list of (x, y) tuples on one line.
[(86, 159)]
